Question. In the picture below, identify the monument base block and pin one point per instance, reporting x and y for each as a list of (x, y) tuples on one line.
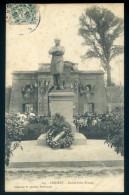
[(79, 139), (94, 153), (41, 141)]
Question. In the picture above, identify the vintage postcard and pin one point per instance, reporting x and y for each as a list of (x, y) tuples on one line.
[(64, 112)]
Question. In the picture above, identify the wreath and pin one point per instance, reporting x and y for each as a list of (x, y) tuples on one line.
[(60, 134)]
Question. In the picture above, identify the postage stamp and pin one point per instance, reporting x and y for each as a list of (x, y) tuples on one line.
[(22, 13)]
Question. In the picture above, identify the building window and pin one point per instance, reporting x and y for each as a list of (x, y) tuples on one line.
[(88, 88), (27, 108), (89, 108)]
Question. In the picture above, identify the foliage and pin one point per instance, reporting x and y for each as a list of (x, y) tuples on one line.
[(106, 126), (13, 131), (100, 28), (115, 131), (17, 130), (58, 125), (89, 125), (35, 127), (58, 122), (65, 141), (39, 119)]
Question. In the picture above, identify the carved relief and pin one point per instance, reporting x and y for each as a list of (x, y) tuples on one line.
[(44, 86), (87, 90), (29, 89)]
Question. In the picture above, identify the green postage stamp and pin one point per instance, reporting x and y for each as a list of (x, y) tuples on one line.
[(22, 13)]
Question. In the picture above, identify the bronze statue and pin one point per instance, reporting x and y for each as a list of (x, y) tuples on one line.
[(57, 63)]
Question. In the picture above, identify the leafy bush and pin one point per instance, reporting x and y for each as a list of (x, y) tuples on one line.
[(89, 125), (39, 119), (115, 131), (13, 135), (106, 126), (35, 127), (33, 131), (17, 131)]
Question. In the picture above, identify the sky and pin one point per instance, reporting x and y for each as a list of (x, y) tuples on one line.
[(25, 49)]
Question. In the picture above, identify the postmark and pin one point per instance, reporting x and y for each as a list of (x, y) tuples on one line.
[(22, 14)]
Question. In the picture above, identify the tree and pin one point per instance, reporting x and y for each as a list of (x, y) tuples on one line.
[(100, 28)]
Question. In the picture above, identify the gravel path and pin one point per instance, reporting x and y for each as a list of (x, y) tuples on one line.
[(65, 179)]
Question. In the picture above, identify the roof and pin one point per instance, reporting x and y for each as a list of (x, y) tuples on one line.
[(91, 71), (25, 72), (79, 71), (44, 68)]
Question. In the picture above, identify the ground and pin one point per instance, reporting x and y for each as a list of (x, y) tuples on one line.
[(87, 179), (95, 167)]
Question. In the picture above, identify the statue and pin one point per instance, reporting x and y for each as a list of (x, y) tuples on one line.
[(57, 64)]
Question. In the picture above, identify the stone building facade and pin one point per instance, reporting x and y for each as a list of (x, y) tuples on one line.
[(30, 91)]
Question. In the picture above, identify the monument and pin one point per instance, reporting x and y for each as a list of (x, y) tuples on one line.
[(51, 150), (61, 97)]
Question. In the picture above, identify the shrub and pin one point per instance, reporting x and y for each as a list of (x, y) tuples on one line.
[(115, 132), (17, 131), (33, 131), (13, 135), (39, 119), (35, 127), (90, 126), (109, 127)]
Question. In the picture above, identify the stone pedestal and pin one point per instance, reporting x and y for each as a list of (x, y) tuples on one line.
[(62, 102)]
